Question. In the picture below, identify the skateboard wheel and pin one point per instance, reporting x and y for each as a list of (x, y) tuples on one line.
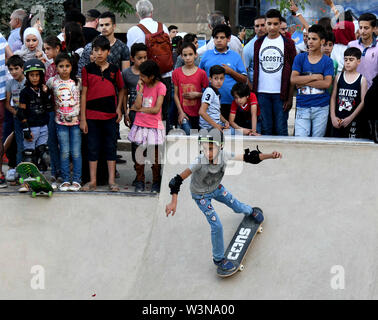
[(38, 179), (260, 230), (21, 181), (34, 194), (50, 194), (241, 267)]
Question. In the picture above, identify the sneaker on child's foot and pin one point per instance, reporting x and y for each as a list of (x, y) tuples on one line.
[(11, 175), (225, 265), (75, 186), (257, 214), (3, 183), (24, 188), (65, 186), (139, 186)]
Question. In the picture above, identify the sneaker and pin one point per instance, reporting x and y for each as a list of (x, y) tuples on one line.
[(3, 183), (75, 186), (155, 188), (65, 186), (24, 188), (257, 214), (225, 265), (11, 175), (139, 186), (134, 182)]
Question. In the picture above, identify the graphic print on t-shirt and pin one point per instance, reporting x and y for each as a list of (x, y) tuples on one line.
[(347, 99), (272, 59), (188, 87), (147, 102)]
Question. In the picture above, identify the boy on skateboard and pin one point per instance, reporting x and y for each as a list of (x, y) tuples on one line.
[(207, 173)]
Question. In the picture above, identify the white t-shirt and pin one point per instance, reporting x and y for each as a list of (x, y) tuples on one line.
[(271, 62)]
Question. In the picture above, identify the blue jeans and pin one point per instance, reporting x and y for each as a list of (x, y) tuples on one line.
[(204, 203), (311, 122), (273, 117), (70, 145), (19, 135), (53, 146)]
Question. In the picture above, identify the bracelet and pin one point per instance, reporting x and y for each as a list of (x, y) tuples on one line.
[(298, 14)]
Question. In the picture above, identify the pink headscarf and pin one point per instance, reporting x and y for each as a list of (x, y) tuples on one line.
[(344, 32)]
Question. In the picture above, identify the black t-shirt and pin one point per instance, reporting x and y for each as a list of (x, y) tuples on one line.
[(37, 103), (89, 34)]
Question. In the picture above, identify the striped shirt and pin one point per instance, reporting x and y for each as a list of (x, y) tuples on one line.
[(3, 78)]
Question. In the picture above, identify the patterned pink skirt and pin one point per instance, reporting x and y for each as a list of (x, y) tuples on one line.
[(146, 136)]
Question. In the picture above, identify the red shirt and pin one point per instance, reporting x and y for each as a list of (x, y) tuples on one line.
[(194, 83), (247, 107)]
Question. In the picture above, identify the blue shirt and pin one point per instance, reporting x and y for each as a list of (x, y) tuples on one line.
[(308, 96), (14, 40), (248, 55), (229, 58)]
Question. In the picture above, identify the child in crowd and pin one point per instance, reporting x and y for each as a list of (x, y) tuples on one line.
[(148, 129), (189, 37), (100, 111), (130, 76), (32, 47), (245, 112), (189, 82), (327, 50), (206, 185), (312, 74), (348, 96), (210, 110), (66, 90), (33, 112), (53, 47), (229, 60), (14, 86)]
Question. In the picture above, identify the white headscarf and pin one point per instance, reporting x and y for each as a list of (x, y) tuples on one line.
[(24, 52)]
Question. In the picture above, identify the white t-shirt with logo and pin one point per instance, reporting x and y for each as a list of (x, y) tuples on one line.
[(271, 60)]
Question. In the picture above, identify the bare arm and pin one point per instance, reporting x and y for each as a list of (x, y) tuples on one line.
[(181, 113), (7, 104), (237, 76), (153, 110), (83, 108), (322, 84), (335, 121), (172, 206), (297, 79), (294, 8), (125, 64), (202, 112), (262, 156)]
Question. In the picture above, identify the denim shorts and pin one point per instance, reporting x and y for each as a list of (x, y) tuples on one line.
[(102, 137)]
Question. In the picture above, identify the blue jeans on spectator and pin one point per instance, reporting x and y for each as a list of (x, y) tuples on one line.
[(273, 117), (70, 145), (192, 123), (53, 146), (222, 195), (311, 122)]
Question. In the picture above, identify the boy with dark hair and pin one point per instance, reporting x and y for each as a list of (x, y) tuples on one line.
[(328, 47), (173, 31), (229, 60), (244, 114), (14, 86), (206, 185), (312, 75), (273, 60), (210, 110), (348, 97), (367, 43), (101, 111)]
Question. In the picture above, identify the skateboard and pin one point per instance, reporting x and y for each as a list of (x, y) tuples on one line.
[(34, 179), (240, 244)]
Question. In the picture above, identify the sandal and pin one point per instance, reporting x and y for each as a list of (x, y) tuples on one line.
[(114, 188), (88, 187)]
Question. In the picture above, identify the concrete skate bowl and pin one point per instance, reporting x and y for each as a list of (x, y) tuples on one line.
[(319, 239)]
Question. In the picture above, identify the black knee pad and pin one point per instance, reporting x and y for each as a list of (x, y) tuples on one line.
[(29, 155), (43, 155)]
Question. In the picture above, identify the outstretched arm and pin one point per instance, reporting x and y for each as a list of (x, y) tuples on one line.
[(174, 185), (255, 156)]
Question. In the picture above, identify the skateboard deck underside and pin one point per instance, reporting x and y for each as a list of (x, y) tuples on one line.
[(30, 173)]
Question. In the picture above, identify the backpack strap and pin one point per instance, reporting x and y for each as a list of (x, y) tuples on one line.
[(144, 29), (160, 27)]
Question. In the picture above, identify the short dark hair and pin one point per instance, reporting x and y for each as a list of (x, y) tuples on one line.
[(189, 45), (273, 13), (150, 68), (101, 42), (319, 30), (330, 36), (368, 17), (217, 69), (261, 16), (221, 28), (15, 61), (282, 19), (353, 52), (108, 14), (190, 37), (136, 47), (53, 42), (325, 22), (241, 89), (172, 27)]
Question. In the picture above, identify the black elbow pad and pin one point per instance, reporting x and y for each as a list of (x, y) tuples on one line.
[(175, 184), (20, 114), (252, 156)]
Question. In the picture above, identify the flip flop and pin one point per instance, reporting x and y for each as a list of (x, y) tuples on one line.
[(88, 187), (114, 188)]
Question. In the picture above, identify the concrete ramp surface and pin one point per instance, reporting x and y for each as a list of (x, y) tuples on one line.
[(320, 238)]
